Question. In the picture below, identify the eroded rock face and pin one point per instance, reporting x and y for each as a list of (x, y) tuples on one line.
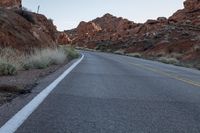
[(17, 32), (63, 38), (192, 5), (88, 28), (191, 13), (46, 26), (9, 4)]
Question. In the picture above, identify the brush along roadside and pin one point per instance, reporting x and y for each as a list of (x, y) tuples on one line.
[(16, 68), (12, 60)]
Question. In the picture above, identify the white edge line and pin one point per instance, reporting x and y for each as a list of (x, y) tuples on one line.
[(18, 119)]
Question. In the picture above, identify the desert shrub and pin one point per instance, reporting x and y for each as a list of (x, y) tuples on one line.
[(11, 56), (25, 13), (41, 59), (12, 60), (197, 66), (175, 55), (8, 61), (120, 52), (137, 55), (102, 47), (196, 48), (51, 20), (70, 52), (169, 60), (7, 69)]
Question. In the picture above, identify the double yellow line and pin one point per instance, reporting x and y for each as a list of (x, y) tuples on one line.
[(188, 81)]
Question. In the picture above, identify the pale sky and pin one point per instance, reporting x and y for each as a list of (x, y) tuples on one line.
[(68, 13)]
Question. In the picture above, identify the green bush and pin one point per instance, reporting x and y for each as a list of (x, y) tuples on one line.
[(70, 52), (25, 13), (7, 69), (36, 63)]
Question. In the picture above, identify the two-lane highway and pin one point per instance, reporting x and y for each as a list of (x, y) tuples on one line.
[(109, 93)]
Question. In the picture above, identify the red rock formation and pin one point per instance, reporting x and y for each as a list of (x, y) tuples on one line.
[(107, 28), (88, 28), (178, 35), (46, 26), (10, 4), (192, 5), (26, 32), (112, 30), (190, 13), (63, 38)]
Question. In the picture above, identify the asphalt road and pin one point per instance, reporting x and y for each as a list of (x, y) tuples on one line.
[(109, 93)]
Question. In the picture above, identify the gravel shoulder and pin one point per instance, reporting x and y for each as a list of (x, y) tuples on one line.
[(23, 83)]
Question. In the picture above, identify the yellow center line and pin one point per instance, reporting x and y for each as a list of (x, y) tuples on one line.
[(188, 81)]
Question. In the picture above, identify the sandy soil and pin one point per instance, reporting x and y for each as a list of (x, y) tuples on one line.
[(22, 83)]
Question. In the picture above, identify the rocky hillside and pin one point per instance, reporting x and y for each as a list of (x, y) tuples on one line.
[(24, 30), (10, 4), (176, 37)]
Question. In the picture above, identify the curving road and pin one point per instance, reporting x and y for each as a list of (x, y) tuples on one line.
[(109, 93)]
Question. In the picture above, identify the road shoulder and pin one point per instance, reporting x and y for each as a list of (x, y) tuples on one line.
[(9, 109)]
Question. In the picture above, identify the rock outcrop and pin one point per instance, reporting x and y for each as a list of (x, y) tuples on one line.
[(25, 30), (63, 38), (177, 37), (189, 15), (10, 4), (88, 28), (192, 5)]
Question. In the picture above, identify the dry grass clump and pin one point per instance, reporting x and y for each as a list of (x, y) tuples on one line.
[(120, 52), (137, 55), (12, 60), (11, 56), (41, 59), (169, 60), (70, 52)]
